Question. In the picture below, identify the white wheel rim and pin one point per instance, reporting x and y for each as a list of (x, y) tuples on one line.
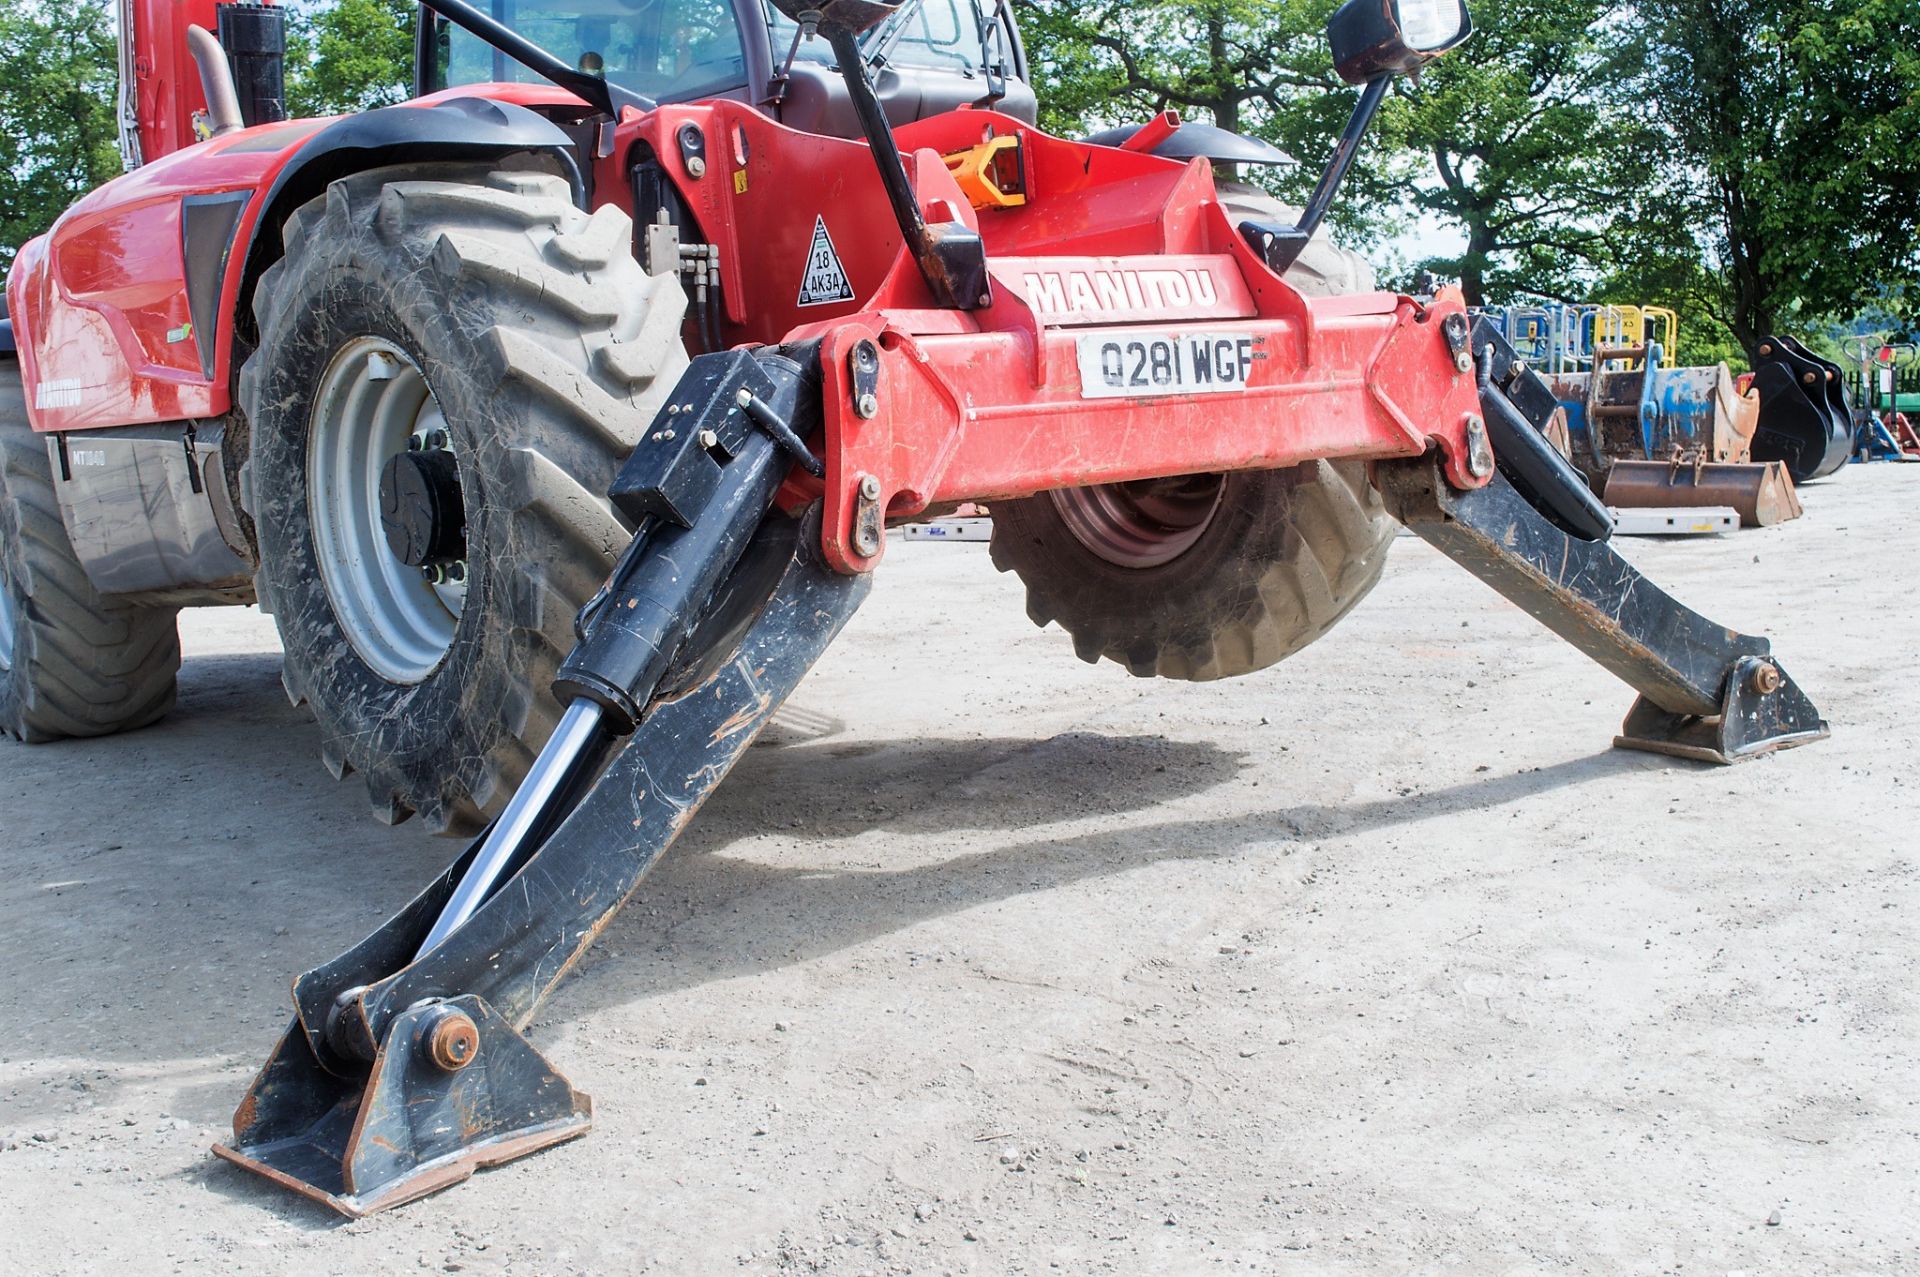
[(372, 399)]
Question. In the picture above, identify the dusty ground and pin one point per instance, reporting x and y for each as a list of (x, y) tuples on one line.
[(1381, 962)]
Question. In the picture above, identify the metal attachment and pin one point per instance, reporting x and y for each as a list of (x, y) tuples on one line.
[(864, 363), (1479, 452), (1765, 678), (693, 150), (1457, 332), (867, 519)]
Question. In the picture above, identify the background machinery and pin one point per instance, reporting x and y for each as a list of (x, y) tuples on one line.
[(561, 421)]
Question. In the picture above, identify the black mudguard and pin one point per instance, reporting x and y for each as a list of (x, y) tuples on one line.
[(1202, 141), (454, 130)]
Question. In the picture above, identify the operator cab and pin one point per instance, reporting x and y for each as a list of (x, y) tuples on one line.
[(933, 57)]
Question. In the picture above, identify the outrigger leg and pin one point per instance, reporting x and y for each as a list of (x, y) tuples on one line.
[(1706, 692), (404, 1069)]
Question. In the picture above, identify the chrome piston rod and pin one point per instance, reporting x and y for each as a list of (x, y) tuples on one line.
[(572, 748)]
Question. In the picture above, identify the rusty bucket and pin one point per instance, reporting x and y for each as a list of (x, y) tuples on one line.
[(1761, 491)]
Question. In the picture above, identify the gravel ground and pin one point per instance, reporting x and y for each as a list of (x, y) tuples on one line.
[(994, 962)]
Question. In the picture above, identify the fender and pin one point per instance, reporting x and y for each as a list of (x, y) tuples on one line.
[(1203, 141), (124, 312)]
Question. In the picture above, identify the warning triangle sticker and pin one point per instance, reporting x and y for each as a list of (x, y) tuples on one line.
[(825, 279)]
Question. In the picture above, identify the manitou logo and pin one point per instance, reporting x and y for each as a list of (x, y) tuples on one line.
[(1106, 292)]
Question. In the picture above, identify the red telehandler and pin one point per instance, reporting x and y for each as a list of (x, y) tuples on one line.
[(560, 418)]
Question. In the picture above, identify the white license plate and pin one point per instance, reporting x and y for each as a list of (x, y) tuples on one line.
[(1144, 365)]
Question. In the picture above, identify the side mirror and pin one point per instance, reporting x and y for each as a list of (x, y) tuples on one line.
[(1372, 38)]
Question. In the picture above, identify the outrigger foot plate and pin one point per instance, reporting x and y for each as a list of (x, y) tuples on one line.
[(454, 1089)]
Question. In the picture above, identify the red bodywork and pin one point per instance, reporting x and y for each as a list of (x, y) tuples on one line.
[(981, 404)]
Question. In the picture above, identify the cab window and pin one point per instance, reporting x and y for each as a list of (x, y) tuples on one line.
[(935, 33), (671, 50)]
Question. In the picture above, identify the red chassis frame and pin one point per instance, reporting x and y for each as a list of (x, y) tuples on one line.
[(982, 404), (987, 404)]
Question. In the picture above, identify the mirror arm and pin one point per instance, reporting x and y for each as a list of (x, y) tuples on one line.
[(1282, 245), (952, 257)]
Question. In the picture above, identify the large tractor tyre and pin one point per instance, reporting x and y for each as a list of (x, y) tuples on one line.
[(452, 366), (1206, 576), (71, 662)]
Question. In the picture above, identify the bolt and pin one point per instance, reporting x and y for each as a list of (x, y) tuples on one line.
[(1766, 350), (1809, 379), (709, 440), (1519, 366), (1463, 361), (696, 167), (453, 1041), (986, 299), (668, 435), (868, 406), (673, 410), (435, 574), (416, 443), (437, 440), (744, 398), (457, 573), (869, 488), (1766, 678)]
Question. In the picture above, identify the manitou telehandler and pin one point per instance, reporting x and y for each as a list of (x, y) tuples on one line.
[(560, 419)]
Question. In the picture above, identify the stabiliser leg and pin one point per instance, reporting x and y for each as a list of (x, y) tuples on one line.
[(405, 1069), (1706, 692)]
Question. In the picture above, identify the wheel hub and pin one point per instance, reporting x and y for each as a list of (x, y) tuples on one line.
[(383, 491), (422, 510), (1145, 524)]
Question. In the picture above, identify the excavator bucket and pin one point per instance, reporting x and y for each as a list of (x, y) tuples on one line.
[(1648, 437), (1806, 420), (1762, 493)]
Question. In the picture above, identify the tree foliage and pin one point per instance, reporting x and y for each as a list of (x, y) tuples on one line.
[(57, 133), (350, 55), (1252, 67), (1532, 148), (1793, 127), (1751, 163)]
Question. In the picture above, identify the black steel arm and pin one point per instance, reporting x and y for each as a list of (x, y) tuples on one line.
[(952, 257), (1706, 691), (1282, 245)]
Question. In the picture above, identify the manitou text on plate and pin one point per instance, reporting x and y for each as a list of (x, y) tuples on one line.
[(1093, 293)]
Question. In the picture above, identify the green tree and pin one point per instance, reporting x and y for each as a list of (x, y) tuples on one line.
[(1534, 144), (57, 132), (1792, 127), (1259, 68), (350, 55)]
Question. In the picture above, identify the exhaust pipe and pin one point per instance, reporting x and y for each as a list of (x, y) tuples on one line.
[(216, 81)]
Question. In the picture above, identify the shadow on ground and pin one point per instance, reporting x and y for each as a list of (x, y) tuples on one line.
[(231, 855)]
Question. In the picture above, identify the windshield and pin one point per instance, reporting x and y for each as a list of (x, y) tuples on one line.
[(936, 33), (664, 49)]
